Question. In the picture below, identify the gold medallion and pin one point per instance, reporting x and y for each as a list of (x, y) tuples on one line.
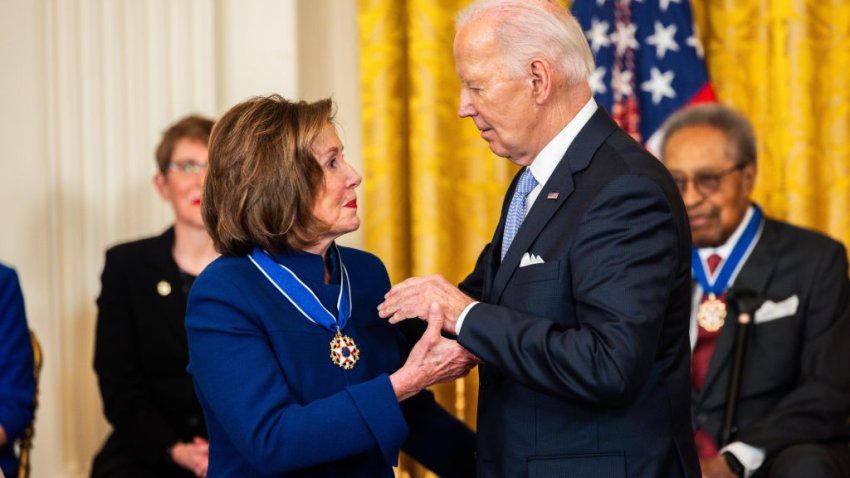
[(163, 288), (711, 314), (344, 351)]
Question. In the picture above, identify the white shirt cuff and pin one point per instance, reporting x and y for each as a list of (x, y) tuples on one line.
[(462, 317), (749, 456)]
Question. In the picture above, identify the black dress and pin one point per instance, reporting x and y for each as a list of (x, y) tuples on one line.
[(140, 359)]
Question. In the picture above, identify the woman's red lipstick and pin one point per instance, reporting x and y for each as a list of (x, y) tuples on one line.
[(352, 203)]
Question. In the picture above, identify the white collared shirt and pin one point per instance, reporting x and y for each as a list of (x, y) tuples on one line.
[(723, 251), (726, 248), (550, 156), (750, 457), (544, 165)]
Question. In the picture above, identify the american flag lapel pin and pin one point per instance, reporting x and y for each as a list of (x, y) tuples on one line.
[(552, 196)]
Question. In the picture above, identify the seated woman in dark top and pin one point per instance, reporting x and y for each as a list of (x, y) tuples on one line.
[(297, 374), (140, 348)]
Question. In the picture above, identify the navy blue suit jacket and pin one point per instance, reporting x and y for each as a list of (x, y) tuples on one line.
[(275, 404), (586, 355)]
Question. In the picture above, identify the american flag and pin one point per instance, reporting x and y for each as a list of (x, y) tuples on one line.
[(649, 60)]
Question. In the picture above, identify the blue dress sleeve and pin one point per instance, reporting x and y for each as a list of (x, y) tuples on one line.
[(17, 381)]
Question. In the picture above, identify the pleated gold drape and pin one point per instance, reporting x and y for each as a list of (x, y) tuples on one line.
[(434, 190)]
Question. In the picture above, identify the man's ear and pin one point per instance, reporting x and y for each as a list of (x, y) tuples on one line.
[(541, 80), (749, 176), (160, 181)]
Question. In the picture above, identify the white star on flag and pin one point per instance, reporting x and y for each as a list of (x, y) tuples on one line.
[(595, 80), (663, 39), (624, 37), (693, 41), (621, 82), (666, 3), (660, 85), (644, 34), (598, 35)]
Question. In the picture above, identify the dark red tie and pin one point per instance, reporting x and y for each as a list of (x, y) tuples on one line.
[(713, 261), (706, 448)]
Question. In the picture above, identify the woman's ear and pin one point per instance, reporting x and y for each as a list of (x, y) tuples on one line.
[(161, 183)]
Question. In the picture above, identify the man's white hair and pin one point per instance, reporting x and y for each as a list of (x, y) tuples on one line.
[(529, 29)]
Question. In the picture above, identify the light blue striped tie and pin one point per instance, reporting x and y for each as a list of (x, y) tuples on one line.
[(516, 211)]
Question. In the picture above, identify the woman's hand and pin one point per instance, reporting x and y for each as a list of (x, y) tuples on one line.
[(194, 456), (434, 359)]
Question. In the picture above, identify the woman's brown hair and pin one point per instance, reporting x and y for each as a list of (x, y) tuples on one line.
[(263, 176), (193, 127)]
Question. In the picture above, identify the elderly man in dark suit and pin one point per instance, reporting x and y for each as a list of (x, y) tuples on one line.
[(792, 407), (578, 308)]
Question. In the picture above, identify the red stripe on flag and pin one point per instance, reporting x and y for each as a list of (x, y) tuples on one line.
[(704, 95)]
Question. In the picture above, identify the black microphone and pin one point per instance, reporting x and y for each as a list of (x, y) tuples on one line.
[(747, 302)]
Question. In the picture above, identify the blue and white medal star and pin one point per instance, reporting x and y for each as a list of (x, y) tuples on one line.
[(344, 351)]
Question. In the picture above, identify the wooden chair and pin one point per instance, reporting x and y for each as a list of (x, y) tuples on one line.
[(25, 443)]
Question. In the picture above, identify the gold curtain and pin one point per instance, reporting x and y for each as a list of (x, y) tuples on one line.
[(786, 65), (433, 190)]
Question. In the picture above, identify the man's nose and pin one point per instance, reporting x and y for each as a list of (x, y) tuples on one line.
[(465, 108), (691, 196)]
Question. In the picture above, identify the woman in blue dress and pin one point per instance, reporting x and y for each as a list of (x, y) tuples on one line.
[(295, 371)]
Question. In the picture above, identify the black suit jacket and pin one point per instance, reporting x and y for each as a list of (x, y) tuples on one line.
[(796, 374), (586, 355), (140, 358)]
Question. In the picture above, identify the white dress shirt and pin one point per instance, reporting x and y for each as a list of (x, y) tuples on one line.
[(544, 165), (751, 457)]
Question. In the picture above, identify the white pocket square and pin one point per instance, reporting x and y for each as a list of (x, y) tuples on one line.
[(528, 259), (776, 310)]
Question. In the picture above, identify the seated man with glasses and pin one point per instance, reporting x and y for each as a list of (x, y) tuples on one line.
[(792, 406)]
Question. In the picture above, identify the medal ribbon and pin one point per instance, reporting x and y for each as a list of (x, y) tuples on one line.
[(297, 292), (721, 282)]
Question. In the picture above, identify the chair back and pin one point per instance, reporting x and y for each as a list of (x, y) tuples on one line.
[(25, 443)]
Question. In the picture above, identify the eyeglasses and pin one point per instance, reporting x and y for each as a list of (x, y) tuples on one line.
[(705, 183), (188, 167)]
